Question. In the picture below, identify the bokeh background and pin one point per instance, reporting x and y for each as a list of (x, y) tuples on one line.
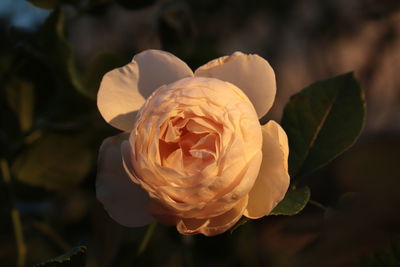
[(52, 60)]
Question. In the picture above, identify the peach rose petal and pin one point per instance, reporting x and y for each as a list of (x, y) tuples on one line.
[(215, 225), (273, 179), (124, 90), (124, 201), (251, 73)]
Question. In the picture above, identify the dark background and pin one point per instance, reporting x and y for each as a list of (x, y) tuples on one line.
[(51, 63)]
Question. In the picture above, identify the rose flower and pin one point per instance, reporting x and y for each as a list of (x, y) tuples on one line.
[(193, 153)]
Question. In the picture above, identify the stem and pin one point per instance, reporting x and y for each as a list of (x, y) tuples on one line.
[(146, 238), (317, 204), (19, 237), (187, 255), (15, 217)]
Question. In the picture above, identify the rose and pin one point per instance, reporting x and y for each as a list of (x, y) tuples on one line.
[(193, 153)]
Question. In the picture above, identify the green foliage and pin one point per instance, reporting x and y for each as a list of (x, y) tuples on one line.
[(322, 121), (76, 257), (294, 201), (388, 256), (55, 162)]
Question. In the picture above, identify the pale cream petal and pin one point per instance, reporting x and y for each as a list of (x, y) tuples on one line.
[(251, 73), (124, 201), (273, 179), (213, 226), (157, 68), (118, 98), (124, 90)]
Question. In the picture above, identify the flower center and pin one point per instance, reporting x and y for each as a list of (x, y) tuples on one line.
[(191, 142)]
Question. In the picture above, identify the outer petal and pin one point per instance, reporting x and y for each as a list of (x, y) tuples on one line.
[(124, 90), (124, 201), (273, 179), (251, 73), (213, 226)]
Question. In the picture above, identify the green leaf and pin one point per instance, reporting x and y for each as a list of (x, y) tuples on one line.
[(76, 257), (55, 162), (45, 4), (294, 201), (322, 121)]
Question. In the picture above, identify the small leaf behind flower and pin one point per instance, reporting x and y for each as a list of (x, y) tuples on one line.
[(322, 121), (295, 200), (76, 257)]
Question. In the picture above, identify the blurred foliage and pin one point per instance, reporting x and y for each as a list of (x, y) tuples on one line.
[(73, 258), (100, 65), (389, 256), (20, 99), (50, 132), (55, 162), (55, 51)]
